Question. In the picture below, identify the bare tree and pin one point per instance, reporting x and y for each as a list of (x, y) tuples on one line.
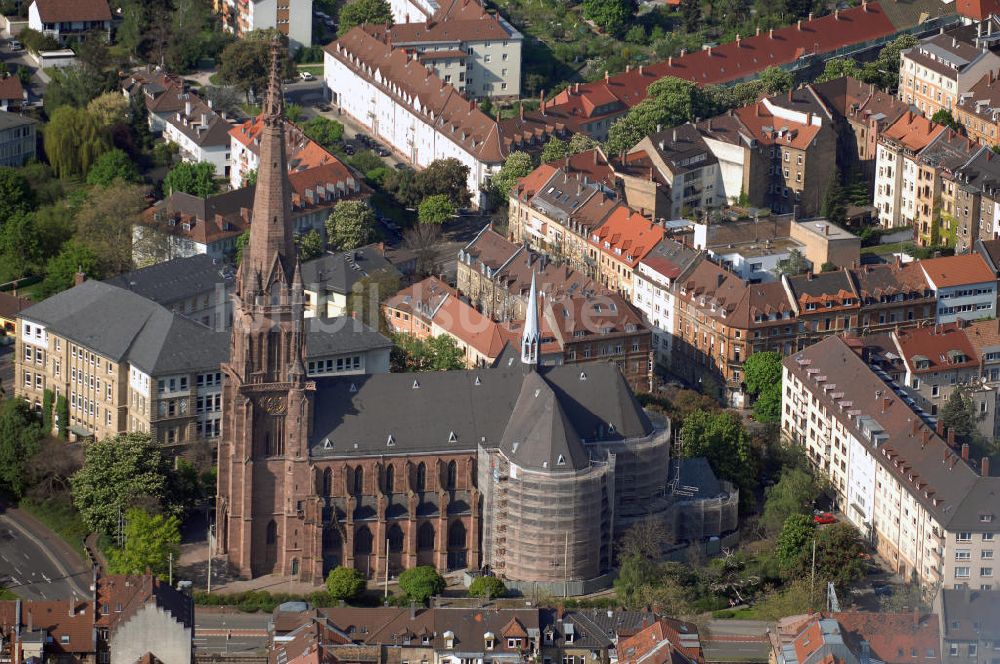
[(423, 240)]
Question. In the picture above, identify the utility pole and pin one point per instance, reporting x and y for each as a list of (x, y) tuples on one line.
[(812, 580), (386, 596), (170, 563)]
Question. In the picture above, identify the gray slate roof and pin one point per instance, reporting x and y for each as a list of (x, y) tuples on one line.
[(344, 334), (434, 411), (339, 271), (174, 280), (538, 434), (123, 325)]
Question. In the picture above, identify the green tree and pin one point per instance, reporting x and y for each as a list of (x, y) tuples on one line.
[(369, 293), (62, 413), (634, 574), (421, 583), (796, 263), (761, 370), (73, 86), (20, 435), (118, 473), (110, 108), (487, 586), (350, 225), (795, 535), (324, 131), (517, 165), (48, 403), (435, 209), (691, 15), (448, 177), (838, 68), (775, 80), (671, 101), (793, 494), (884, 70), (581, 143), (246, 62), (242, 240), (767, 405), (105, 224), (16, 195), (36, 41), (554, 149), (839, 552), (345, 583), (310, 245), (60, 271), (74, 139), (149, 542), (721, 438), (19, 251), (111, 167), (609, 15), (359, 12), (944, 117), (197, 179), (439, 353), (960, 413)]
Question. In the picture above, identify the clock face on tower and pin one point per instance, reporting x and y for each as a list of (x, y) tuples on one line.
[(272, 405)]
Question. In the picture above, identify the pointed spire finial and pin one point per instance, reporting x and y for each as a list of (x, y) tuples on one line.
[(531, 336), (274, 102)]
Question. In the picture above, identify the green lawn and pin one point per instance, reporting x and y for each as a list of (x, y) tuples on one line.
[(62, 518), (7, 594), (316, 69)]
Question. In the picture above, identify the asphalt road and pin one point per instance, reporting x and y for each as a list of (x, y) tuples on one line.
[(229, 633), (735, 641), (35, 565)]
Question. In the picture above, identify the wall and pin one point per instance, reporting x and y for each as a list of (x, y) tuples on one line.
[(151, 630)]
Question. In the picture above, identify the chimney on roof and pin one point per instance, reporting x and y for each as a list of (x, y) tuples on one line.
[(836, 14), (864, 6), (683, 52), (965, 451), (204, 119), (670, 61), (641, 69), (675, 135), (709, 51), (72, 606), (799, 25), (915, 427), (810, 17), (541, 100), (521, 110), (80, 276), (738, 40), (939, 427), (951, 436), (472, 105), (984, 466), (770, 33), (628, 68), (187, 108), (576, 88), (607, 76), (758, 31)]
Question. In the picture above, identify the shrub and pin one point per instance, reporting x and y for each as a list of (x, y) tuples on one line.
[(421, 583), (487, 586), (345, 583)]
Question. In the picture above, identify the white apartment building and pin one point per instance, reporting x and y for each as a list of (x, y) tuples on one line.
[(937, 71), (290, 17), (896, 168), (927, 511), (419, 115), (408, 11), (965, 287), (201, 134), (65, 21), (652, 293)]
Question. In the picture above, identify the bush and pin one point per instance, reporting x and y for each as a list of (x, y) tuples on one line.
[(345, 583), (421, 583), (487, 586)]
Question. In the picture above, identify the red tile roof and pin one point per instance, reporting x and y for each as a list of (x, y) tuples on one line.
[(940, 345), (11, 305), (303, 153), (629, 236), (591, 163), (892, 637), (977, 9), (462, 321), (957, 270), (739, 59), (457, 20), (913, 131), (766, 128), (660, 643), (10, 88), (64, 11)]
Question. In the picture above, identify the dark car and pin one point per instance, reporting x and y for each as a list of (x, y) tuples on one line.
[(381, 151), (881, 590), (400, 166), (348, 148), (361, 138), (323, 107)]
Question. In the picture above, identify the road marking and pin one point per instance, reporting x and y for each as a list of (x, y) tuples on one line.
[(55, 562)]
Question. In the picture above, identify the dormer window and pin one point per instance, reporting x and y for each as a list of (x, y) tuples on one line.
[(513, 642), (449, 640), (570, 632), (489, 640)]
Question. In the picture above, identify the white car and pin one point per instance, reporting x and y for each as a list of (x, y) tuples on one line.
[(15, 45), (306, 76)]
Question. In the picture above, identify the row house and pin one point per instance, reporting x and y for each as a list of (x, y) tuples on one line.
[(410, 310), (495, 275), (935, 73), (934, 196), (964, 286), (477, 51), (970, 623), (419, 115), (977, 110), (973, 197), (823, 304), (201, 134), (920, 502), (856, 637), (895, 170), (619, 244), (653, 293)]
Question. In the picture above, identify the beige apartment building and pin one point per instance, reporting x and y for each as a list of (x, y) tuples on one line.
[(935, 73), (926, 507)]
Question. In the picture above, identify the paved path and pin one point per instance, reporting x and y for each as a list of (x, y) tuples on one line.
[(35, 563), (222, 631)]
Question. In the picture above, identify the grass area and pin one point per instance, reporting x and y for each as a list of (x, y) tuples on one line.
[(7, 594), (316, 70), (215, 79), (745, 613), (883, 249), (62, 518), (31, 291)]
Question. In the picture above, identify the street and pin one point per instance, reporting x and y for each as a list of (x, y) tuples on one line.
[(35, 564)]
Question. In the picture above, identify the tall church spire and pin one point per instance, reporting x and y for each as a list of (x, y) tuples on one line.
[(271, 244), (530, 337)]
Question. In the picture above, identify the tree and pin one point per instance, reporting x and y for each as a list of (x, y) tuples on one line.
[(74, 139), (884, 70), (197, 179), (16, 195), (324, 131), (448, 177), (439, 353), (435, 209), (60, 271), (793, 494), (73, 86), (581, 143), (421, 583), (359, 12), (110, 108), (111, 167), (104, 225), (721, 438), (691, 15), (839, 555), (554, 149), (345, 583), (634, 574), (18, 247), (20, 434), (767, 405), (310, 245), (517, 165), (961, 414), (242, 240), (838, 68), (645, 539), (118, 473), (36, 41), (944, 117), (487, 586), (423, 240), (351, 225), (761, 370), (246, 63), (796, 263), (795, 535), (775, 80), (671, 101), (150, 540), (609, 15)]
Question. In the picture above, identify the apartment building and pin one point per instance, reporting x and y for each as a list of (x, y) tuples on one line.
[(410, 310), (292, 18), (970, 623), (301, 152), (330, 279), (672, 174), (18, 139), (653, 295), (619, 244), (896, 170), (977, 110), (495, 275), (935, 73), (824, 304), (924, 507), (556, 209), (893, 295), (934, 197), (965, 287), (162, 93), (477, 51), (856, 637), (201, 134), (182, 225)]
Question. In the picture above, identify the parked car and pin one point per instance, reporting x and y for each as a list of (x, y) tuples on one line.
[(15, 45), (881, 589), (824, 518), (400, 166), (381, 151), (348, 148), (306, 76), (323, 107)]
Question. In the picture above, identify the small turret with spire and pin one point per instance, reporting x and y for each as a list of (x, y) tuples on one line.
[(530, 338)]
